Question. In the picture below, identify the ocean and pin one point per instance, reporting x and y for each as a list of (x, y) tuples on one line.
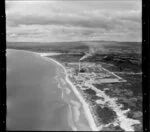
[(38, 97)]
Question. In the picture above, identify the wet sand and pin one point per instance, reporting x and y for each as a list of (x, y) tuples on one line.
[(85, 105), (77, 117)]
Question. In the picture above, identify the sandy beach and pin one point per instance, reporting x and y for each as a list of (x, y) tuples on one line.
[(77, 93)]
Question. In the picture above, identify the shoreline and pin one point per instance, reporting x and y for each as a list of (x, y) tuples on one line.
[(85, 105), (88, 114), (86, 108)]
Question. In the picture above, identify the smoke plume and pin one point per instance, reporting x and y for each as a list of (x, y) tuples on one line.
[(90, 53)]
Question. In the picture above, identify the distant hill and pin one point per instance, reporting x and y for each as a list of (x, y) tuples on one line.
[(22, 44), (114, 47), (66, 47), (79, 46)]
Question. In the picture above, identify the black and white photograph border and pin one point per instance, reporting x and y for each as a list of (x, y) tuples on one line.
[(75, 66)]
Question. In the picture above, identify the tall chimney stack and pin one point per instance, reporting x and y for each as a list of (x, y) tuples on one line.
[(79, 65)]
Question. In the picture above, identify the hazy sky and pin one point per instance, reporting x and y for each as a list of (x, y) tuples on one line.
[(73, 20)]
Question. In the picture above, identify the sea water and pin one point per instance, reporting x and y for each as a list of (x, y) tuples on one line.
[(37, 99)]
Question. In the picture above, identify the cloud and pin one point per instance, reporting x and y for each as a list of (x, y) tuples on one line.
[(58, 21)]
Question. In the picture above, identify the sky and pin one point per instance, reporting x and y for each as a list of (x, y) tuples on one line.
[(73, 20)]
